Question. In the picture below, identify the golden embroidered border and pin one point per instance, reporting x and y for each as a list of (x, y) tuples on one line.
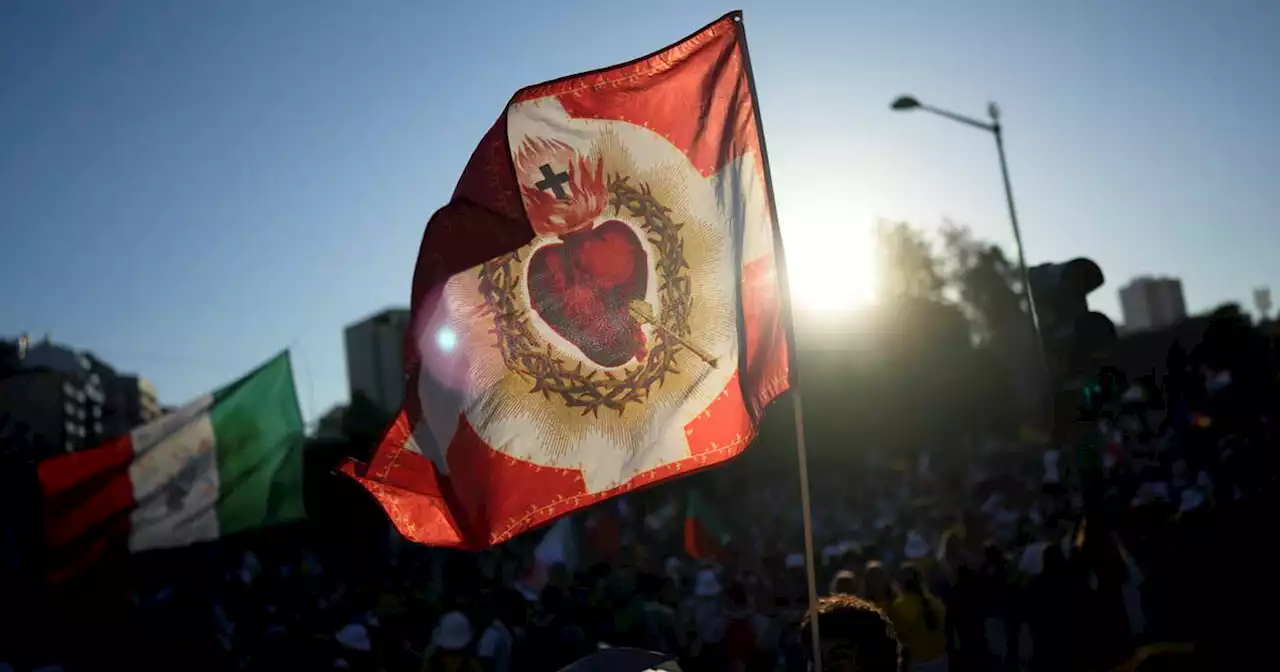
[(645, 67), (513, 525), (717, 454)]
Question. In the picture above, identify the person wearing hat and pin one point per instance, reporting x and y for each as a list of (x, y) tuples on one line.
[(845, 582), (355, 648), (706, 620), (450, 648)]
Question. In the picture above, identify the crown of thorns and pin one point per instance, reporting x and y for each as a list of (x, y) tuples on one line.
[(528, 354)]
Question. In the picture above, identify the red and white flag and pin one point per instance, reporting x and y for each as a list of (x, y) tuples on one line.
[(599, 306)]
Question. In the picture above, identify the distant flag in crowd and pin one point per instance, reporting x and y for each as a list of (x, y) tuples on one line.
[(660, 519), (705, 534), (598, 308), (226, 462), (559, 546), (604, 532)]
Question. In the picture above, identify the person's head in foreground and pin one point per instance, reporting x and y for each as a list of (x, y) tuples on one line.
[(856, 636)]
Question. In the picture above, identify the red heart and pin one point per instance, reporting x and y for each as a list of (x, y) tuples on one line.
[(583, 287)]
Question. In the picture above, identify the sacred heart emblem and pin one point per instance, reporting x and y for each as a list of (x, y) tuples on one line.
[(584, 287), (589, 288)]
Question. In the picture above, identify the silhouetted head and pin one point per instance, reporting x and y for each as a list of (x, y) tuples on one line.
[(844, 582), (993, 560), (856, 636), (912, 580), (913, 583), (878, 586), (1055, 562)]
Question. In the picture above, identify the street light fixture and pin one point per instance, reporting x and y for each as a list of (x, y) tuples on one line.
[(905, 103), (909, 103)]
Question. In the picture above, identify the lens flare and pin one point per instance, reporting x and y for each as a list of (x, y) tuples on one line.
[(446, 339)]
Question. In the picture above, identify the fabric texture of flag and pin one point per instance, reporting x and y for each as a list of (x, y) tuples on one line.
[(598, 308), (227, 462), (705, 536)]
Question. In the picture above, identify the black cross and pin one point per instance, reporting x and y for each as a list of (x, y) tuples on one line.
[(553, 181)]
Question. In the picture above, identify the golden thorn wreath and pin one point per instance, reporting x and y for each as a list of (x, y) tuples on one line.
[(529, 355)]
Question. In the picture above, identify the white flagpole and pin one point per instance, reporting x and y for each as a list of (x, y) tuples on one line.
[(807, 515)]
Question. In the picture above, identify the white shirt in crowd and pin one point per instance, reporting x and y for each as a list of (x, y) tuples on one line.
[(1051, 473), (495, 645)]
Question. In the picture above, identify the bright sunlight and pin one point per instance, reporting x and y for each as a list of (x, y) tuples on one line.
[(830, 257)]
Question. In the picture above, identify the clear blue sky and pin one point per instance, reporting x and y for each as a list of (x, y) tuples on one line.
[(188, 187)]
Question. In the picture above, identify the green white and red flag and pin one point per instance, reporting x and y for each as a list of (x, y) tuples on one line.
[(228, 461), (599, 306), (705, 534)]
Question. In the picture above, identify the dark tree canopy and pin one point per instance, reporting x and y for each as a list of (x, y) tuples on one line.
[(925, 367)]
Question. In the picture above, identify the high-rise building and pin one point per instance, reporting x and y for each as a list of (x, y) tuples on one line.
[(55, 399), (1152, 303), (131, 401), (62, 400), (375, 355)]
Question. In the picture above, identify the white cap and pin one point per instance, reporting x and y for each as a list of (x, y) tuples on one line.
[(453, 632), (706, 584), (1031, 561), (354, 637), (917, 547), (1191, 499)]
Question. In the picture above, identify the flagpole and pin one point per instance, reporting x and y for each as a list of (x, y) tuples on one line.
[(780, 262)]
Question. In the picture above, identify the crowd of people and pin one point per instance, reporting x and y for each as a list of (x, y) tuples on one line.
[(996, 554)]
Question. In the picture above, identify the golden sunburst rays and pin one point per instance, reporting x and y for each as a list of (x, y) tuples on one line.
[(504, 405)]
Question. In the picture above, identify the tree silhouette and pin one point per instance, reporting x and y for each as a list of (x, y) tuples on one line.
[(906, 263), (906, 375), (985, 281)]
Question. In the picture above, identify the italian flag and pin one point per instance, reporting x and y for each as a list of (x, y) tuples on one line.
[(705, 536), (226, 462)]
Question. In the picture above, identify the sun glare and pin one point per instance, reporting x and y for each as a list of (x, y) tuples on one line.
[(830, 261)]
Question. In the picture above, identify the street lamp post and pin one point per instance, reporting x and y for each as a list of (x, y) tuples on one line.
[(908, 103)]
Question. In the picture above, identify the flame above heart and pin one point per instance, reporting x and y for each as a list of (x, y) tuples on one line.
[(548, 214)]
